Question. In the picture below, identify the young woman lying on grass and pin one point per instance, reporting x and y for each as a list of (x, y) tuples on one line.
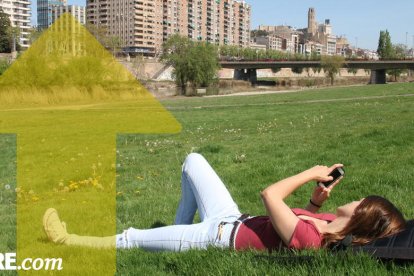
[(224, 226)]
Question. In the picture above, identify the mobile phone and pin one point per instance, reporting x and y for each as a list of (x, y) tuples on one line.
[(337, 173)]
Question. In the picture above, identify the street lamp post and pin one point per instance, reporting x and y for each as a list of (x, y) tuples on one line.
[(406, 43), (13, 43), (413, 43), (14, 46)]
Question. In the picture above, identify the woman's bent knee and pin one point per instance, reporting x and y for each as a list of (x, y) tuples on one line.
[(193, 159)]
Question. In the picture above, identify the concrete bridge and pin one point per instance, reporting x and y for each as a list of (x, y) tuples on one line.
[(247, 70)]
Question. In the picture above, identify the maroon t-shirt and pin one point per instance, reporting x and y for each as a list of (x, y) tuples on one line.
[(258, 233)]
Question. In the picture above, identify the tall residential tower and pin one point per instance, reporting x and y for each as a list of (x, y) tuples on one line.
[(44, 12), (19, 12), (143, 25), (76, 11)]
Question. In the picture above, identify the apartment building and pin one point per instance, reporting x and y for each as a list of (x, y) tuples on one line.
[(143, 25), (242, 13), (290, 37), (44, 12), (78, 12), (19, 12), (271, 42), (175, 18), (138, 23), (317, 38)]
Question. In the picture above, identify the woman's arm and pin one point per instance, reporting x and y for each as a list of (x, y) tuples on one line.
[(283, 219), (319, 195), (312, 207)]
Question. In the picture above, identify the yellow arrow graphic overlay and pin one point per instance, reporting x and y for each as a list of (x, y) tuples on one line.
[(67, 98)]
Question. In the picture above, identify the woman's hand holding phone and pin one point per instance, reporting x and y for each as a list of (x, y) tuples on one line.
[(323, 174)]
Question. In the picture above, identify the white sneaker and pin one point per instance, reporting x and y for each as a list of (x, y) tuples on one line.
[(54, 228)]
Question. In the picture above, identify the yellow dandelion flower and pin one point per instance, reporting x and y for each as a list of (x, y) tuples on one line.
[(140, 177), (94, 182), (73, 186)]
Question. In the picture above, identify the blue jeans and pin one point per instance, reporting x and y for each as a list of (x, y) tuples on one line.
[(202, 189)]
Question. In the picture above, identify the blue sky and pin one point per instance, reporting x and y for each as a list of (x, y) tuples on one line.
[(359, 20)]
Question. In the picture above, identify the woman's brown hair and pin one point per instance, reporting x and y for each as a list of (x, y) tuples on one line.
[(374, 218)]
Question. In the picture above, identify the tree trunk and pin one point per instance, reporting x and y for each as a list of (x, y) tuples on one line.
[(13, 49)]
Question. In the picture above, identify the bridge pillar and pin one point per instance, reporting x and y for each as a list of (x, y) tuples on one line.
[(246, 75), (239, 74), (252, 74), (378, 77)]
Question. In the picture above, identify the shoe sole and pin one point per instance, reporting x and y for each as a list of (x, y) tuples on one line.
[(46, 216)]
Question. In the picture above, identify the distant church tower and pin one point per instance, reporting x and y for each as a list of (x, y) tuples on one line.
[(312, 24)]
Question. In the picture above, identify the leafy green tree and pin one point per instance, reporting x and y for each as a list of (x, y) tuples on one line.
[(381, 45), (5, 39), (98, 31), (114, 43), (138, 66), (257, 33), (8, 35), (385, 49), (175, 51), (331, 66), (389, 50), (14, 34), (315, 56), (235, 52), (34, 34), (110, 42), (4, 64), (203, 64), (398, 53), (195, 63)]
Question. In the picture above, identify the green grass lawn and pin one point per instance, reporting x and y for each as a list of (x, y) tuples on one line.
[(252, 142), (7, 195)]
